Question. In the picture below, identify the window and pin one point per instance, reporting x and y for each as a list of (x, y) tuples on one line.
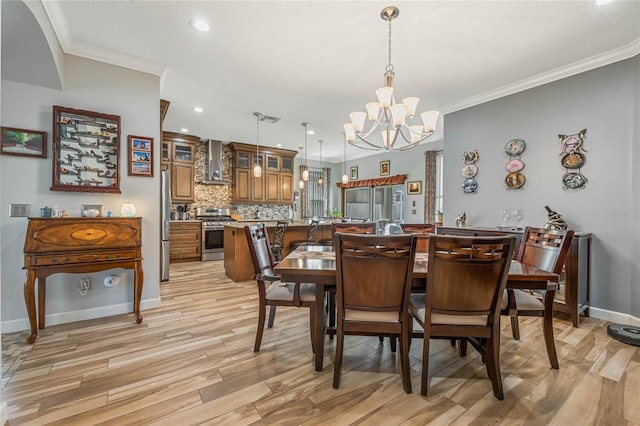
[(315, 198)]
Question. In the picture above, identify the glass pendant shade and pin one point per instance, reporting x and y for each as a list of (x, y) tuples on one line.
[(301, 184), (305, 175), (384, 94), (257, 170), (345, 179), (357, 119), (373, 110), (398, 114), (412, 104), (429, 120), (320, 181), (349, 133)]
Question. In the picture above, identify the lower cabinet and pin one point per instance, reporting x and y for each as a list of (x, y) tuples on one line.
[(185, 241)]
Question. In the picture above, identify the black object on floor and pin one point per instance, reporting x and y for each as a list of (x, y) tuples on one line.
[(625, 333)]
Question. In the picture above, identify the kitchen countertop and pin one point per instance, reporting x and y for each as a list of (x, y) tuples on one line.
[(270, 223), (186, 220)]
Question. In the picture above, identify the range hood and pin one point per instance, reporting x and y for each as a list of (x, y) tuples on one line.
[(213, 171)]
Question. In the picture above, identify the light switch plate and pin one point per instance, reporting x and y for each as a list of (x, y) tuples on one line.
[(19, 210)]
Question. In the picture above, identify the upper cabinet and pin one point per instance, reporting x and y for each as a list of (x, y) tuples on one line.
[(178, 156), (275, 186)]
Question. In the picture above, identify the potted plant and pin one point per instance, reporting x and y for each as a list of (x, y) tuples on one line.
[(439, 217)]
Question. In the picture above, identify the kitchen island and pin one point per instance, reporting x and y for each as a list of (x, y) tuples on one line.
[(237, 260)]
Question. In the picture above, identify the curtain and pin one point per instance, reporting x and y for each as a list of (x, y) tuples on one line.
[(429, 186)]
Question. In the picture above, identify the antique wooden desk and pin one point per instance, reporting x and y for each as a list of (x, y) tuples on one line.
[(79, 245), (316, 264)]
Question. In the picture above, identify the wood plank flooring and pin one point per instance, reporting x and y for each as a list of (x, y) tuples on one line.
[(191, 362)]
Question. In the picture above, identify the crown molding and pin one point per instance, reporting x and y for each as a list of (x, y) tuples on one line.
[(621, 53), (61, 29)]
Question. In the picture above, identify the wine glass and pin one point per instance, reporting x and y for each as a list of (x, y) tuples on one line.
[(503, 217), (519, 216)]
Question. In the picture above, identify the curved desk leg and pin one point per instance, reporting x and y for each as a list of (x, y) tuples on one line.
[(42, 297), (547, 328), (138, 279), (30, 302)]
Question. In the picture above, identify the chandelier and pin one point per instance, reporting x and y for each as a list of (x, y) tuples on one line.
[(391, 117)]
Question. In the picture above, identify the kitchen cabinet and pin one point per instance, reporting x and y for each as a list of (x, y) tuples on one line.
[(178, 156), (185, 241), (275, 186)]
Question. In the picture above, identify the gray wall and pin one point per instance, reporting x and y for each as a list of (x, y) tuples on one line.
[(605, 102), (92, 86)]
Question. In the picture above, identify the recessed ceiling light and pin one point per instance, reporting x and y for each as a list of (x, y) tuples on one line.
[(311, 132), (278, 144), (184, 130), (197, 109), (601, 2), (199, 24)]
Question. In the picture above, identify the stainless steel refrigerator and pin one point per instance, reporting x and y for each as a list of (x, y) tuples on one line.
[(380, 204), (166, 215)]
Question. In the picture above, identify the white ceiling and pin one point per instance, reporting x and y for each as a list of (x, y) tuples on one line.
[(317, 61)]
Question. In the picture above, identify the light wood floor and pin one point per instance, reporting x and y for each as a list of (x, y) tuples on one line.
[(191, 362)]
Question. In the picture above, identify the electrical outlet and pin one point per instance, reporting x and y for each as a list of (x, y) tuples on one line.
[(84, 286)]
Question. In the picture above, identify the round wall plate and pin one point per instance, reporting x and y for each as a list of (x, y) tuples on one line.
[(469, 171), (514, 165), (573, 181), (469, 185), (470, 157), (573, 160), (515, 147), (514, 180)]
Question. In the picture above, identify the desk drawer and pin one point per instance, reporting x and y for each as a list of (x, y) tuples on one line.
[(75, 258), (184, 251)]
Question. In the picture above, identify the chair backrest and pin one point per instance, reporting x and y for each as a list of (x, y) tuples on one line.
[(422, 230), (278, 233), (260, 249), (354, 228), (472, 232), (374, 273), (467, 275), (311, 231), (546, 249)]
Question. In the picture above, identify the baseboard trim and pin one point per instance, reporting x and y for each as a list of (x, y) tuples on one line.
[(612, 316), (81, 315)]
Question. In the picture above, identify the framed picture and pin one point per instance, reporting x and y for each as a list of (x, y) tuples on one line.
[(414, 188), (24, 143), (86, 151), (353, 173), (140, 156), (385, 168)]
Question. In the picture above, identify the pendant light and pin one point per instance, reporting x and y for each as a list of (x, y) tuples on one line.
[(257, 169), (301, 182), (305, 172), (320, 180), (345, 177)]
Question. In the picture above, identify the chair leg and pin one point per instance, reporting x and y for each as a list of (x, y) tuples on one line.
[(381, 339), (337, 363), (404, 359), (261, 317), (424, 388), (272, 316), (312, 327), (547, 330), (453, 343), (493, 367), (463, 347), (515, 328), (331, 307), (392, 342)]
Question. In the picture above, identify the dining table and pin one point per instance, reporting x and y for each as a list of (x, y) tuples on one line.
[(317, 264)]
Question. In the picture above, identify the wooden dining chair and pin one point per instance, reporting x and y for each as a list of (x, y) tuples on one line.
[(275, 293), (277, 243), (465, 281), (545, 249), (422, 230), (373, 282)]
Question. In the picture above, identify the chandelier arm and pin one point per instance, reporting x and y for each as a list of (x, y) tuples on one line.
[(371, 129)]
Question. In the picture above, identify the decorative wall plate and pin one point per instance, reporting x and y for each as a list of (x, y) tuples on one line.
[(515, 147), (514, 180), (574, 180), (469, 185), (514, 165), (573, 160), (470, 157), (469, 171), (572, 143)]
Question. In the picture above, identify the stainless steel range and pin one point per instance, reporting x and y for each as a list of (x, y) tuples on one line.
[(213, 220)]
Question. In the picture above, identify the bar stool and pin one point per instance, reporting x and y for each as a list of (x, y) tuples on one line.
[(311, 236), (277, 242)]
